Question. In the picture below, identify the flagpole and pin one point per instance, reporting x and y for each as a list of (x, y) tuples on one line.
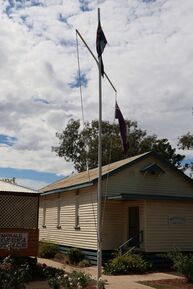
[(105, 74), (100, 45), (99, 253)]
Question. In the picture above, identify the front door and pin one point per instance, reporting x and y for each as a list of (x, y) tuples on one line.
[(133, 223)]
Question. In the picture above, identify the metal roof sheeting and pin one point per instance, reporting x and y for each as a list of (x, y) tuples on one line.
[(88, 177), (14, 188)]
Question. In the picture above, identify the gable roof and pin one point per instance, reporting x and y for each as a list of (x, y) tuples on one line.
[(88, 178), (8, 187)]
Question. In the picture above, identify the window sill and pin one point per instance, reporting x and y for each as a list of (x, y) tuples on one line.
[(77, 228)]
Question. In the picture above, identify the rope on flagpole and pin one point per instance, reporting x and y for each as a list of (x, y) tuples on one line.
[(79, 77), (81, 97), (107, 179), (83, 121)]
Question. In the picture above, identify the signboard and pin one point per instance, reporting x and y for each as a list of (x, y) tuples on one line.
[(176, 220), (13, 240)]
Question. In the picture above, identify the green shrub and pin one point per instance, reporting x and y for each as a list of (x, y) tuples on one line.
[(13, 276), (84, 263), (19, 260), (70, 281), (12, 279), (79, 279), (55, 282), (124, 264), (183, 263), (48, 250), (60, 256), (102, 284), (75, 255)]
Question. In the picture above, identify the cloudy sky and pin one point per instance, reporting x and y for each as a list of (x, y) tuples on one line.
[(149, 59)]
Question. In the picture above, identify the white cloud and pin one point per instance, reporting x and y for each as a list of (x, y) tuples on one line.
[(32, 184), (148, 58)]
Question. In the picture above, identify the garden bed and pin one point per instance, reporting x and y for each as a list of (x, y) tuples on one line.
[(37, 284), (20, 273), (178, 283), (44, 285)]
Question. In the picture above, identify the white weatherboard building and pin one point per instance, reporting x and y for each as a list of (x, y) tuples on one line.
[(144, 199)]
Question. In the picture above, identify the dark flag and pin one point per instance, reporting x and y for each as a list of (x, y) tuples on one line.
[(123, 128), (100, 45)]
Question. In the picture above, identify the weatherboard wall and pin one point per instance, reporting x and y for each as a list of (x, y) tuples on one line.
[(114, 221), (145, 190), (132, 181), (115, 227), (168, 226), (67, 234)]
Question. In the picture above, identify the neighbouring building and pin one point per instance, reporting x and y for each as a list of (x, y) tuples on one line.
[(19, 232)]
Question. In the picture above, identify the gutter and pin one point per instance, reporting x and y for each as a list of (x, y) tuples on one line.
[(126, 197), (71, 188)]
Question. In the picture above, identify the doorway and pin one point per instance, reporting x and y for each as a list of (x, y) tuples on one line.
[(133, 226)]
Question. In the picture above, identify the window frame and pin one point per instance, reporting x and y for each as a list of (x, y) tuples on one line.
[(59, 212), (44, 213), (77, 211)]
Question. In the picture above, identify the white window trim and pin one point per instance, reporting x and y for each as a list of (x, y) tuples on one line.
[(44, 212), (77, 211), (58, 212)]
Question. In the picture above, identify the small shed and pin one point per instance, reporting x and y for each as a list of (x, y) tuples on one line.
[(18, 220)]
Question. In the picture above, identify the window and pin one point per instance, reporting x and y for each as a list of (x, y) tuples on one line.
[(152, 169), (58, 212), (77, 212), (44, 212)]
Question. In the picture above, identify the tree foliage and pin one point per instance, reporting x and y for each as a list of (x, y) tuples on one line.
[(186, 141), (81, 146)]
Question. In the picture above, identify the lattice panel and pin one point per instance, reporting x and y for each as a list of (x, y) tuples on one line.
[(18, 211)]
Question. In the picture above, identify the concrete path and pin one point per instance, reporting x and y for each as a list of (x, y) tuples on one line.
[(114, 282)]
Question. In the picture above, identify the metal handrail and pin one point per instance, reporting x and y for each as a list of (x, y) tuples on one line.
[(125, 243), (140, 234)]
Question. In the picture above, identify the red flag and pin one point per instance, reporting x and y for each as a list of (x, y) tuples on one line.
[(123, 128)]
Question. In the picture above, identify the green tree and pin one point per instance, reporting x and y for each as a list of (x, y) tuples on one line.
[(185, 142), (81, 146)]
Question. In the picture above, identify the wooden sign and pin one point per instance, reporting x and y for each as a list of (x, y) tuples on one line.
[(175, 220)]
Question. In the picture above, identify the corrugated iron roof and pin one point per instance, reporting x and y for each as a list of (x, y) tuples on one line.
[(88, 176), (14, 188)]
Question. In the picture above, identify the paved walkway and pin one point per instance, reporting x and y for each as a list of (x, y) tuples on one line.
[(114, 282)]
